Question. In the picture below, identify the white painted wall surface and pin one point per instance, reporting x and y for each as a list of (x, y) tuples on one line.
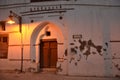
[(95, 20)]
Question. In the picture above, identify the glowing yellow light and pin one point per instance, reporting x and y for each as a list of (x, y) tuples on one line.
[(10, 20)]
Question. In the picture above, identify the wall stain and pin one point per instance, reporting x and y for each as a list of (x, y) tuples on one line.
[(75, 63), (87, 53), (114, 57), (72, 58), (117, 66), (88, 44), (71, 43), (84, 48), (106, 44), (94, 52), (79, 58), (104, 49), (73, 50), (59, 68), (66, 52), (88, 47)]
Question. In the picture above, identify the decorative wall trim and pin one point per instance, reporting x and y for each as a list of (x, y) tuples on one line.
[(60, 43), (45, 9), (19, 45), (19, 59), (116, 41), (80, 4)]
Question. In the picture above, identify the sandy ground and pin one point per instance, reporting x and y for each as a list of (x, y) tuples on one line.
[(46, 76)]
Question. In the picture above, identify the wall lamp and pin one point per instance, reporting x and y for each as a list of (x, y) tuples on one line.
[(11, 21)]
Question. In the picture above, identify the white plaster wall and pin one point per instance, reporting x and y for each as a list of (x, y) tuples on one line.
[(93, 23), (6, 2), (86, 21), (96, 20)]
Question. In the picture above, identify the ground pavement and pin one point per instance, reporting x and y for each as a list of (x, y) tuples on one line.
[(47, 76)]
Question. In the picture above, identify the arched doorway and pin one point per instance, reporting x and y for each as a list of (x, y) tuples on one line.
[(47, 45)]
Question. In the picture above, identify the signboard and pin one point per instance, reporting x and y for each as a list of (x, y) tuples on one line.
[(77, 36)]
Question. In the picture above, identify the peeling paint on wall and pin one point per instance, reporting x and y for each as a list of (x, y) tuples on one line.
[(59, 68), (61, 61), (84, 48), (65, 53)]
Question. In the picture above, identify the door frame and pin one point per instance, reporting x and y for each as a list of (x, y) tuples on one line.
[(42, 41), (4, 39)]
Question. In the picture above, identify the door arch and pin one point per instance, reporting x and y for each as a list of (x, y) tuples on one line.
[(39, 33)]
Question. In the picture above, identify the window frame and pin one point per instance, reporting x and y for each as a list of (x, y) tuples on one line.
[(4, 46)]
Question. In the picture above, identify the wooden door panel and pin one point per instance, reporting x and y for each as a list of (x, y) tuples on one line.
[(45, 57), (53, 44), (45, 44), (53, 58), (48, 54)]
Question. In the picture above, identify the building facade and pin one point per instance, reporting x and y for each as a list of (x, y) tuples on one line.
[(72, 37)]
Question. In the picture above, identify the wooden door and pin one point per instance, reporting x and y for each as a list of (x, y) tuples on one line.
[(48, 54)]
